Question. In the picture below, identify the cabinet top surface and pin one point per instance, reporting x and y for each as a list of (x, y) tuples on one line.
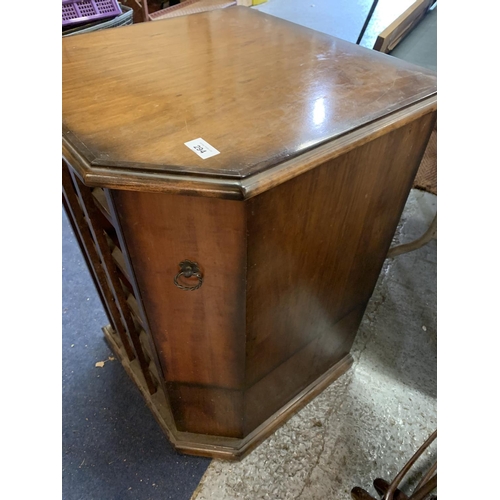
[(258, 89)]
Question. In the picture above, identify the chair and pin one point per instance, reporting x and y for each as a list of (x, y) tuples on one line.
[(390, 491), (425, 180)]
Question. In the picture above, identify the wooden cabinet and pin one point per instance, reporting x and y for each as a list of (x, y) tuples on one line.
[(235, 273)]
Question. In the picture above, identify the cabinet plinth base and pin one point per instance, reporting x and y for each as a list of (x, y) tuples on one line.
[(215, 446)]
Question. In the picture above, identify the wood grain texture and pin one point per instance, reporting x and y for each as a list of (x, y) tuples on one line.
[(93, 268), (146, 102), (234, 351), (199, 334), (273, 391), (93, 215), (84, 237), (283, 172), (134, 299), (197, 185), (207, 410), (316, 244), (226, 448), (319, 142)]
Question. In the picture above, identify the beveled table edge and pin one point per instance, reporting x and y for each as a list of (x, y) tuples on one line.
[(239, 189)]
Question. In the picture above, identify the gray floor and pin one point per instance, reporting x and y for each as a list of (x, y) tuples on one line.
[(112, 446)]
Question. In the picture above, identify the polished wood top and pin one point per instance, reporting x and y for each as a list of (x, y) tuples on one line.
[(259, 89)]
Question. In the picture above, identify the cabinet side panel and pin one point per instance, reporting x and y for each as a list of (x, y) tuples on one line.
[(316, 247), (200, 334), (278, 387)]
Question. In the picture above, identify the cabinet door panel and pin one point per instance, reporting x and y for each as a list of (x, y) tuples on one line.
[(199, 334)]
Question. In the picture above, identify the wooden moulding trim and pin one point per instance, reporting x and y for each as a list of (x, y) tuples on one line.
[(241, 189), (279, 174), (214, 446), (133, 180), (134, 300), (397, 30)]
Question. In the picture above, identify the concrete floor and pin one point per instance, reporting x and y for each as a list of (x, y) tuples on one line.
[(368, 423)]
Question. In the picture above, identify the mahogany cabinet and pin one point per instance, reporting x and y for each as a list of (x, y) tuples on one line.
[(235, 269)]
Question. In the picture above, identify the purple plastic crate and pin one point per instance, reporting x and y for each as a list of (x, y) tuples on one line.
[(84, 11)]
